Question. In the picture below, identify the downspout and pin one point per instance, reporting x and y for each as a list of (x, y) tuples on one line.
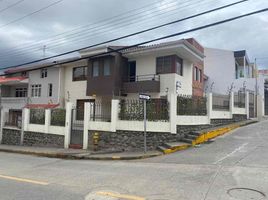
[(59, 87), (244, 66)]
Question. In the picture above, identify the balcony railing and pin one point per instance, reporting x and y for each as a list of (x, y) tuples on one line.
[(148, 77), (143, 83)]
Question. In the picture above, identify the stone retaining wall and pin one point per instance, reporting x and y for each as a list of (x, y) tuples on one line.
[(43, 140), (11, 136), (131, 141)]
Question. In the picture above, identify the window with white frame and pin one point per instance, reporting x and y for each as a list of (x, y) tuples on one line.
[(36, 90), (50, 89), (21, 92), (43, 73)]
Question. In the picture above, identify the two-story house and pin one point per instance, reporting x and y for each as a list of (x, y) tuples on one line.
[(157, 70)]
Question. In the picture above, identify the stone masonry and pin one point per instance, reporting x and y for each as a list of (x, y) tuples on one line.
[(11, 136)]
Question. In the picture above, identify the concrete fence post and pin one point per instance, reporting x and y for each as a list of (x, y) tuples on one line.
[(173, 113), (1, 124), (114, 114), (209, 105), (47, 120), (232, 103), (260, 107), (86, 124), (26, 119), (68, 124), (247, 104)]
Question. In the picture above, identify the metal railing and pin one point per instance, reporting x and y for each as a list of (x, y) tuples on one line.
[(239, 99), (100, 111), (37, 116), (148, 77), (133, 110), (58, 117), (220, 102), (191, 105)]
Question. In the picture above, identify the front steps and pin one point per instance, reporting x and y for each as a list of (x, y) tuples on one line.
[(173, 147)]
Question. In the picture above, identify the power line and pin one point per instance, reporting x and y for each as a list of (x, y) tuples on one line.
[(136, 33), (11, 5), (30, 14), (157, 39), (92, 29)]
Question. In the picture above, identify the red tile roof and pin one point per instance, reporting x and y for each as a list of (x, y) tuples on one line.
[(11, 79), (45, 106)]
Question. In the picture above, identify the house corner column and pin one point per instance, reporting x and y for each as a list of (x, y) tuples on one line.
[(232, 103), (247, 104), (86, 124), (173, 113), (1, 124), (114, 114), (68, 124), (209, 105), (47, 119)]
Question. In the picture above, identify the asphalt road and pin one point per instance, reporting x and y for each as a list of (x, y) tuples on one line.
[(211, 171)]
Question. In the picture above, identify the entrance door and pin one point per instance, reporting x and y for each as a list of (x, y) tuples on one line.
[(251, 105)]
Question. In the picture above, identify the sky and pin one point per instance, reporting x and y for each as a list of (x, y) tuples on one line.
[(34, 29)]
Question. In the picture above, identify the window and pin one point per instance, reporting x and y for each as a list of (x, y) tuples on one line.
[(95, 72), (21, 92), (43, 73), (196, 74), (80, 73), (50, 89), (200, 75), (36, 90), (107, 68), (179, 66), (23, 73), (164, 64)]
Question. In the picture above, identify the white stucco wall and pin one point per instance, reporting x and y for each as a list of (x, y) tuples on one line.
[(52, 77), (219, 66), (73, 90)]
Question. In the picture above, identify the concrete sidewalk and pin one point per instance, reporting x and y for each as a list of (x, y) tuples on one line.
[(76, 153)]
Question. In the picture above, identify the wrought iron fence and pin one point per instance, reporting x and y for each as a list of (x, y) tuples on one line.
[(220, 102), (133, 109), (239, 99), (58, 117), (100, 110), (191, 105), (37, 116)]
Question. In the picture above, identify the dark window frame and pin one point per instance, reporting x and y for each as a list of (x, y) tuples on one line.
[(50, 89), (99, 68), (81, 77), (109, 66), (43, 73), (168, 64), (21, 92)]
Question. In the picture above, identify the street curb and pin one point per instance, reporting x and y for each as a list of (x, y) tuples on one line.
[(208, 135), (77, 157), (200, 140)]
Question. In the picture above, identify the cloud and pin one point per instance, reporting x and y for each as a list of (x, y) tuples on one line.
[(124, 17)]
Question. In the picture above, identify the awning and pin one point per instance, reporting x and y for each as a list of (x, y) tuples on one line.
[(13, 80), (45, 106)]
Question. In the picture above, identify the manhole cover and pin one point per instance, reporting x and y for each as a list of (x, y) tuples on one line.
[(246, 194)]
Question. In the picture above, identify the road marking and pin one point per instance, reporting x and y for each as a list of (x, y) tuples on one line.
[(120, 196), (230, 154), (23, 180)]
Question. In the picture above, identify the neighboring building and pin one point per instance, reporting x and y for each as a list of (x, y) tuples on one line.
[(264, 74), (228, 70), (231, 71)]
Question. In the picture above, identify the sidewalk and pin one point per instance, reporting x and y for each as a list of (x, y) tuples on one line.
[(76, 153)]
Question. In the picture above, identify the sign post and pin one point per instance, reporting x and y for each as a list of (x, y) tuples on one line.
[(145, 98)]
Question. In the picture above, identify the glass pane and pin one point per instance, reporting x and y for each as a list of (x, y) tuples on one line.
[(95, 68), (107, 69)]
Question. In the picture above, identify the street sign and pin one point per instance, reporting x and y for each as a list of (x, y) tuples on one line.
[(144, 97)]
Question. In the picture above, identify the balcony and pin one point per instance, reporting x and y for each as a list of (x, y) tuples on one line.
[(13, 102), (142, 83)]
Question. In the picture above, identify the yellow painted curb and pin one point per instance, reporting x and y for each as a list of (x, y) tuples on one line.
[(204, 137)]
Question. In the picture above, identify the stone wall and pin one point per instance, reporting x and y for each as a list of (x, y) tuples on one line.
[(131, 141), (11, 136), (236, 118), (43, 140)]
